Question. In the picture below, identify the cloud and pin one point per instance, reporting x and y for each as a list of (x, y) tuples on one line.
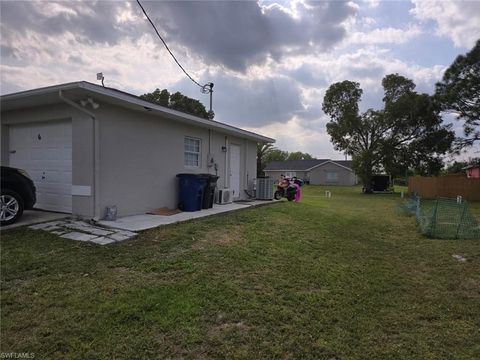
[(90, 22), (293, 136), (242, 101), (40, 60), (457, 20), (231, 34), (384, 36), (239, 34), (372, 3), (271, 63), (308, 74)]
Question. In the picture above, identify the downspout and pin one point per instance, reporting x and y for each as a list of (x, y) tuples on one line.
[(209, 141), (96, 153), (227, 178), (209, 150), (245, 163), (96, 169)]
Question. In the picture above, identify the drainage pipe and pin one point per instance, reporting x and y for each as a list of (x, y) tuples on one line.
[(227, 178), (96, 153)]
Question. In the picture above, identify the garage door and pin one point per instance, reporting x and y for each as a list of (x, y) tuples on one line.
[(44, 150)]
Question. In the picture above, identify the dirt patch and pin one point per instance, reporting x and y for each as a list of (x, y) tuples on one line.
[(164, 211), (470, 288), (220, 237), (280, 220), (122, 277), (222, 329)]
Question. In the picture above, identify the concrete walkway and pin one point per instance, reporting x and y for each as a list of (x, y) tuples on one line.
[(144, 222), (31, 217), (81, 231)]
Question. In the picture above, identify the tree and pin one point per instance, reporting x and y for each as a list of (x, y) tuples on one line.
[(191, 106), (276, 155), (408, 132), (262, 151), (458, 166), (158, 97), (267, 153), (177, 101), (298, 155), (459, 93)]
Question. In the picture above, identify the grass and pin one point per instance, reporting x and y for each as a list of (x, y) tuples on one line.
[(328, 278), (400, 188)]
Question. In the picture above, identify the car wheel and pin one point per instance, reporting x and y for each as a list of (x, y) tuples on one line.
[(11, 207)]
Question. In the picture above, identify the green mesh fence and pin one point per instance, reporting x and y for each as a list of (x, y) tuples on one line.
[(442, 218), (408, 206)]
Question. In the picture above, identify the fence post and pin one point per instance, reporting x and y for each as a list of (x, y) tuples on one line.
[(417, 209), (434, 219), (461, 219)]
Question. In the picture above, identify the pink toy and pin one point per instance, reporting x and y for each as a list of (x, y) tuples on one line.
[(298, 193)]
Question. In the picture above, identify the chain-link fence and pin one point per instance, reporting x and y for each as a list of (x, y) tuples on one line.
[(442, 218)]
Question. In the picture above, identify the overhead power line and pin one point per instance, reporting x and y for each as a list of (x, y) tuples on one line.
[(166, 47)]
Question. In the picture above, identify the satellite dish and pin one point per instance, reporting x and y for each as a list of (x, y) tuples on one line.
[(100, 77), (207, 88)]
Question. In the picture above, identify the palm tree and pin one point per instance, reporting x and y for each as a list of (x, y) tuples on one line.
[(262, 150)]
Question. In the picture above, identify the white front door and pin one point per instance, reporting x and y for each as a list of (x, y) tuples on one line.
[(44, 150), (235, 170)]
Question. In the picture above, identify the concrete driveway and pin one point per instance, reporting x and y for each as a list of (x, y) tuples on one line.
[(31, 217)]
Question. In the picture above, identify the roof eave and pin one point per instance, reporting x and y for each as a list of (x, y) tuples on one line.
[(41, 91), (147, 106), (329, 161), (284, 170)]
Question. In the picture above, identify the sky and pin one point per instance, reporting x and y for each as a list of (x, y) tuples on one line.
[(271, 61)]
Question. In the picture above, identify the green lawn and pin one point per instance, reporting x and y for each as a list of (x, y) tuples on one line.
[(337, 278)]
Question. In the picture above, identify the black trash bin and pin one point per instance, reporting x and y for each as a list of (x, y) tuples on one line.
[(191, 191), (209, 192)]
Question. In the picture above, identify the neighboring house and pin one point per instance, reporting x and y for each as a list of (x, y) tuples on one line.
[(88, 147), (317, 172), (473, 171)]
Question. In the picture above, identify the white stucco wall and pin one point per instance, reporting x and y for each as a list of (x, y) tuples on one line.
[(82, 145), (140, 155), (318, 176)]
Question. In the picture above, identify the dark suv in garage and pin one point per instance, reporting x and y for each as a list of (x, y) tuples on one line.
[(17, 194)]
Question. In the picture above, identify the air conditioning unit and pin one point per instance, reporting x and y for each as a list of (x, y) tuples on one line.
[(224, 196), (264, 188)]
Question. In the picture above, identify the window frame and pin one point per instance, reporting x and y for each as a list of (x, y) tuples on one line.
[(185, 152)]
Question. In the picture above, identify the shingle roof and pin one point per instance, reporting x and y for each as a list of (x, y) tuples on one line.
[(302, 165)]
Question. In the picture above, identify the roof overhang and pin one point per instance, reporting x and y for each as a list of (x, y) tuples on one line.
[(78, 90), (331, 162), (313, 167), (283, 170)]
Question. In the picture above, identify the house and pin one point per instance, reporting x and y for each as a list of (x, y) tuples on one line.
[(317, 172), (473, 171), (88, 147)]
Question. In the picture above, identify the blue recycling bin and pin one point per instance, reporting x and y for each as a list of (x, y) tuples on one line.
[(191, 189)]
